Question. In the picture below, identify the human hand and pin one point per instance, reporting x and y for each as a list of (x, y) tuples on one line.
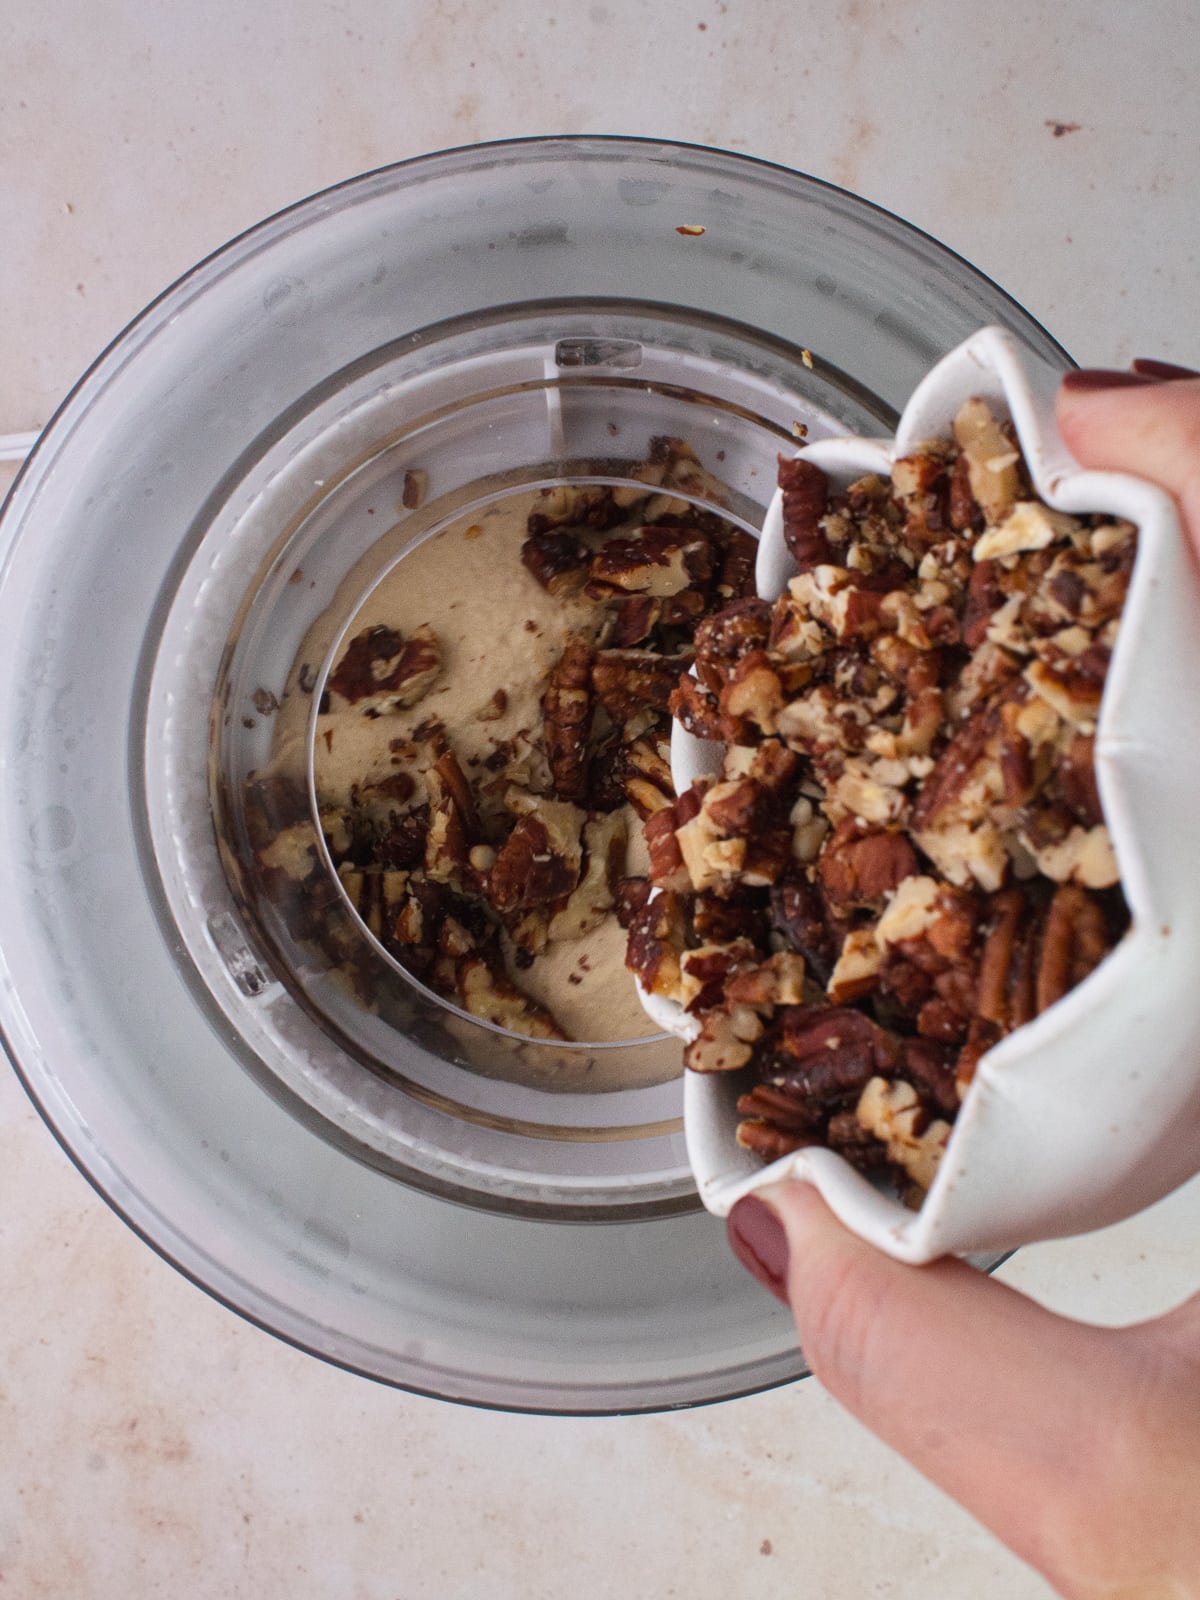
[(1078, 1447)]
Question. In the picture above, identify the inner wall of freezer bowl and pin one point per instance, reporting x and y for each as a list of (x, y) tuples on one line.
[(445, 427)]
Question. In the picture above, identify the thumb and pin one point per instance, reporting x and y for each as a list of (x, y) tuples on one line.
[(996, 1400), (1126, 422)]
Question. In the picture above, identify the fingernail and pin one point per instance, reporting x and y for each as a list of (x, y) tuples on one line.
[(759, 1241), (1164, 371), (1091, 379)]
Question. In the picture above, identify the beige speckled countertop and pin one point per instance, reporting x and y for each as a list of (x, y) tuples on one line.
[(150, 1442)]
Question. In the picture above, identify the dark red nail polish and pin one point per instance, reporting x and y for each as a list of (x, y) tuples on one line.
[(759, 1241), (1163, 371), (1091, 379)]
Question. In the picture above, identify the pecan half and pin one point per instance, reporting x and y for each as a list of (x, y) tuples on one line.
[(805, 499), (567, 718)]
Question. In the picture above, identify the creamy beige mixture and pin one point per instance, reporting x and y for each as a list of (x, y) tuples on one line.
[(496, 628)]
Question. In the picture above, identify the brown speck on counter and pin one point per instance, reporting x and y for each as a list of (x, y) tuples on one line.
[(1165, 930), (415, 485), (766, 1548), (248, 722), (613, 429), (690, 230), (1059, 128)]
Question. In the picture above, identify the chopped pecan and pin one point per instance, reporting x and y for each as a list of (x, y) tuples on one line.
[(777, 981), (801, 916), (657, 935), (698, 710), (659, 561), (646, 775), (860, 866), (856, 1144), (453, 823), (629, 897), (966, 514), (558, 561), (922, 486), (943, 791), (635, 620), (490, 994), (567, 718), (1077, 780), (1072, 690), (381, 671), (402, 843), (991, 459), (722, 918), (540, 860), (857, 970), (725, 1041), (576, 506), (450, 783), (895, 1114), (682, 611), (725, 637), (930, 1067), (604, 842), (770, 1142), (606, 772), (736, 578), (1008, 967), (667, 867), (708, 971), (753, 693), (717, 850), (629, 681), (1028, 525)]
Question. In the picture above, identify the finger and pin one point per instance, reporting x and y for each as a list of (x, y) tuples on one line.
[(1161, 369), (1128, 422), (986, 1393)]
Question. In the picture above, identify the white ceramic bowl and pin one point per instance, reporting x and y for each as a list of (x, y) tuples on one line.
[(1092, 1111)]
